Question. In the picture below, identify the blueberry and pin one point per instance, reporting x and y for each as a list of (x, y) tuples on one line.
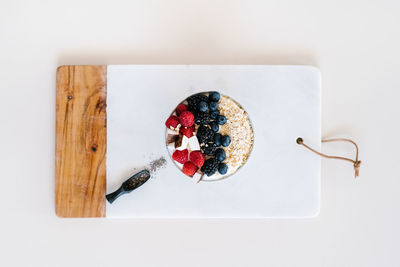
[(221, 119), (222, 168), (220, 154), (214, 126), (213, 106), (214, 96), (214, 114), (225, 140), (203, 107), (217, 139)]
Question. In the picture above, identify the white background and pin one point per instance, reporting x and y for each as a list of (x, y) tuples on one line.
[(356, 45)]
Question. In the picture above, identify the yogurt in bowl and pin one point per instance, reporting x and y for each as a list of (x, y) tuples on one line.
[(209, 136)]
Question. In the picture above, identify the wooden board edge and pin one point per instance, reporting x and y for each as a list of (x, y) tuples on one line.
[(81, 133)]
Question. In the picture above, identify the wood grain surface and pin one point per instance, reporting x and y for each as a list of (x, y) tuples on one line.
[(81, 128)]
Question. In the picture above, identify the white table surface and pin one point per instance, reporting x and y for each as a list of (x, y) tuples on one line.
[(354, 43), (283, 103)]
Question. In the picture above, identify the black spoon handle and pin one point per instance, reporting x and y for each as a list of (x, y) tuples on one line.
[(129, 185), (114, 195)]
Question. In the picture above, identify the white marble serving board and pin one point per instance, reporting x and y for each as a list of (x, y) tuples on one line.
[(280, 179)]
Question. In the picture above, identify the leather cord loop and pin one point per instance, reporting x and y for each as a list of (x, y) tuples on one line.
[(356, 162)]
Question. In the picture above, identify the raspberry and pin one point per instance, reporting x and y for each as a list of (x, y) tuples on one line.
[(187, 131), (181, 108), (197, 158), (172, 121), (186, 119), (189, 168), (180, 156)]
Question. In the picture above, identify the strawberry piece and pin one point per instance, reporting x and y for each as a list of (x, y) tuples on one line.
[(181, 108), (181, 156), (186, 118), (172, 121), (187, 131), (189, 168), (197, 158)]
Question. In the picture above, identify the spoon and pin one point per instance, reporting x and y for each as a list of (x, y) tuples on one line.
[(129, 185)]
